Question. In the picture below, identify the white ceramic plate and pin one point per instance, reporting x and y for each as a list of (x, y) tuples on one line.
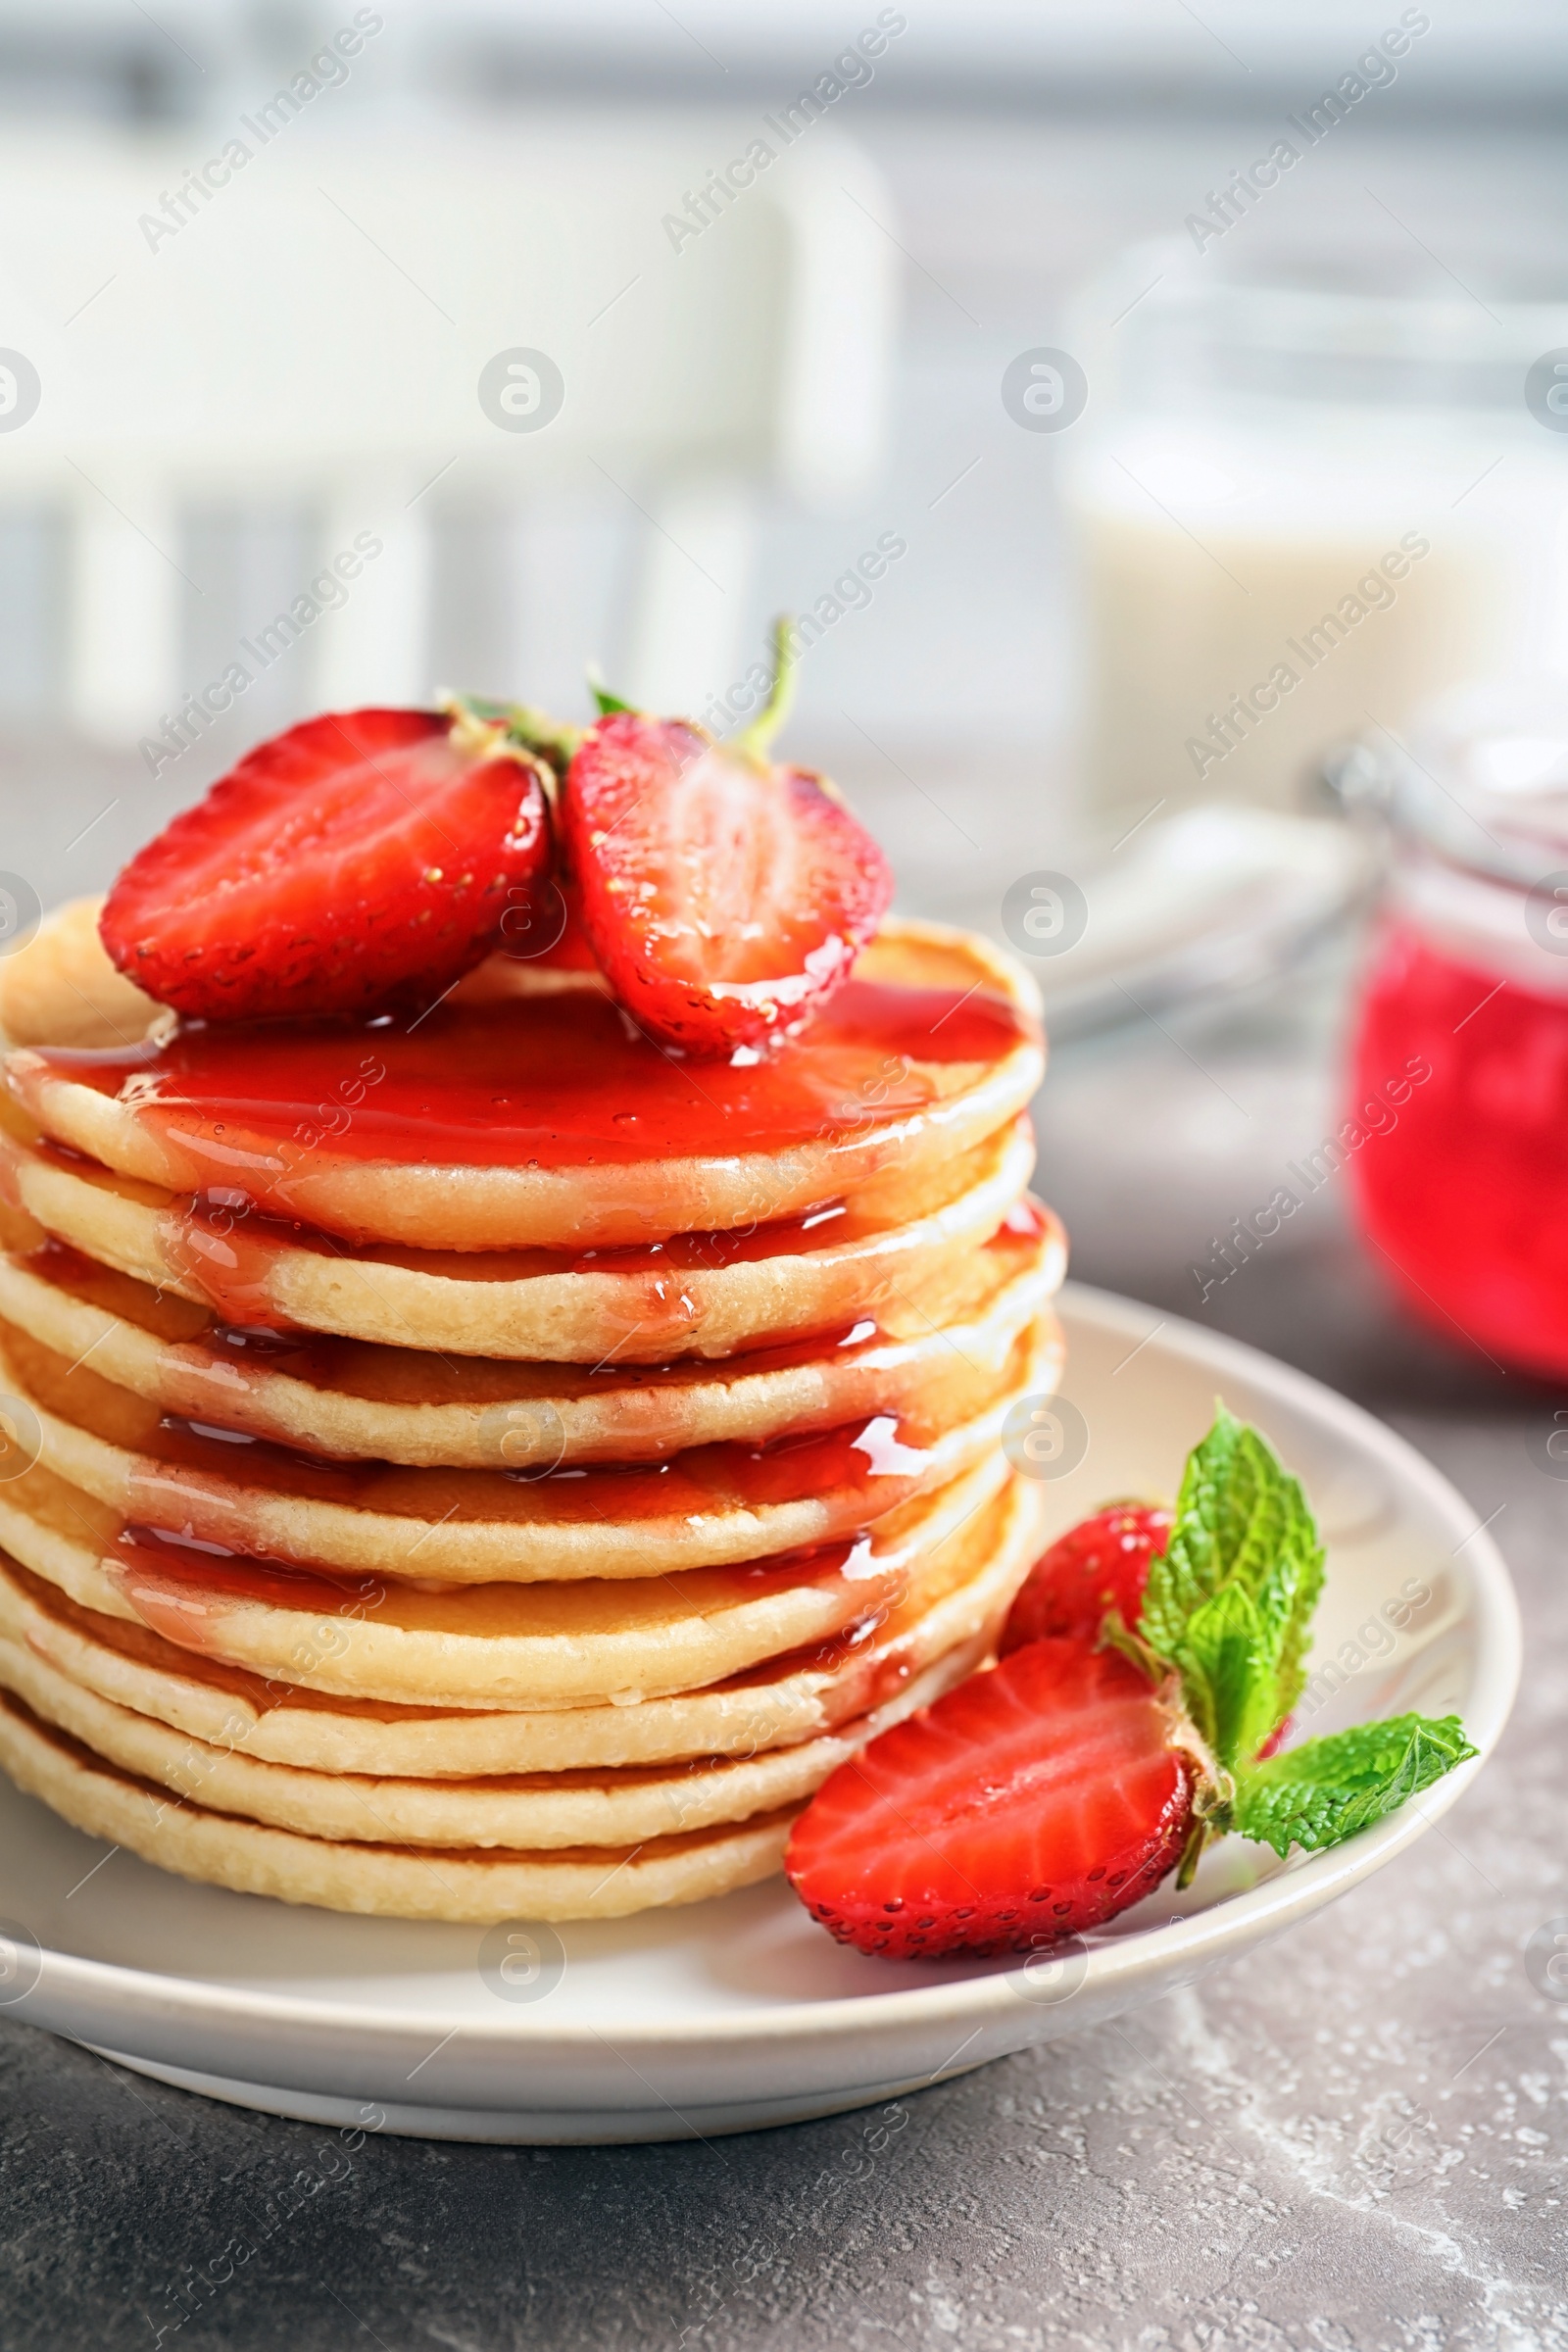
[(741, 2012)]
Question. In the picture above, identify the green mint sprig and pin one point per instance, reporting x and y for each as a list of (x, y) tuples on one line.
[(1227, 1611), (1324, 1791)]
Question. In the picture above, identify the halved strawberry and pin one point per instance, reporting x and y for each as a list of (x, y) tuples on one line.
[(361, 859), (725, 898), (1099, 1565), (1029, 1803), (1039, 1800)]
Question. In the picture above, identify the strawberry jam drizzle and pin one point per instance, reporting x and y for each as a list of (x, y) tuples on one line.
[(223, 1249), (1027, 1220), (211, 1372), (184, 1590), (547, 1082), (240, 1358), (156, 1569), (221, 1244), (869, 1461), (248, 1352)]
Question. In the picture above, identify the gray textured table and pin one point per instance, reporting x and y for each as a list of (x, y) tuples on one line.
[(1354, 2137)]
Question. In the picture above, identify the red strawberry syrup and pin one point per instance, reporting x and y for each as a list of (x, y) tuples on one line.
[(185, 1591), (214, 1484), (559, 1081), (548, 1082)]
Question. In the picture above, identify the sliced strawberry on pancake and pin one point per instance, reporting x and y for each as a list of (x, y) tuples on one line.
[(725, 898), (362, 858)]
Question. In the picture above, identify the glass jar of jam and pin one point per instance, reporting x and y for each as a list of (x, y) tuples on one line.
[(1457, 1141)]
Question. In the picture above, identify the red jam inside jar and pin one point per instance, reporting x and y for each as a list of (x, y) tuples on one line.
[(1460, 1060), (1464, 1195)]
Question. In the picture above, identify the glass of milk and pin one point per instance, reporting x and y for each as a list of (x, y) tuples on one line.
[(1309, 495)]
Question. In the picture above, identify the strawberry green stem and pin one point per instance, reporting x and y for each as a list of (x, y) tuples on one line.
[(521, 723), (754, 741), (537, 731), (1192, 1855)]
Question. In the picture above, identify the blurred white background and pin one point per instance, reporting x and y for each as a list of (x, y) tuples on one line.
[(750, 409), (1017, 149)]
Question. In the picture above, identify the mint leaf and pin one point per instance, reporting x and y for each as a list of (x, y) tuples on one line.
[(1194, 1566), (1229, 1606), (1242, 1526), (1320, 1794), (1238, 1514), (1228, 1673)]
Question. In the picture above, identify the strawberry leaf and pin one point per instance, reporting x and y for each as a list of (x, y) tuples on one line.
[(1318, 1794), (608, 704)]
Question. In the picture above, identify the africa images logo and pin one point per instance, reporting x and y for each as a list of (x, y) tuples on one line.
[(852, 70), (327, 69)]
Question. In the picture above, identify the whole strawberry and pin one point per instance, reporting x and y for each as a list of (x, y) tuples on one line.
[(1039, 1800), (1099, 1565)]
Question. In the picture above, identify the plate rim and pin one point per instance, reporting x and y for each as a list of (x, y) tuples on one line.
[(1197, 1940)]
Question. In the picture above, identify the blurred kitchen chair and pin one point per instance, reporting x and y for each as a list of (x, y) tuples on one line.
[(386, 329)]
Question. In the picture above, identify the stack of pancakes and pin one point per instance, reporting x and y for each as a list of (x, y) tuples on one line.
[(502, 1536)]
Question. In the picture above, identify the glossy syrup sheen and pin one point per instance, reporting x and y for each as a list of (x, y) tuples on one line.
[(183, 1590), (867, 1663), (247, 1354), (545, 1082), (238, 1359), (228, 1249), (224, 1364), (866, 1463), (222, 1223), (228, 1381)]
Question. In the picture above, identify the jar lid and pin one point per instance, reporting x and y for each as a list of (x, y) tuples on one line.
[(1480, 778)]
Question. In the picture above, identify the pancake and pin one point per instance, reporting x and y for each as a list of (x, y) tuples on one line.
[(491, 1466), (348, 1398), (780, 1703), (547, 1119), (486, 1646), (61, 990), (706, 1293), (706, 1507), (401, 1882), (619, 1807)]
